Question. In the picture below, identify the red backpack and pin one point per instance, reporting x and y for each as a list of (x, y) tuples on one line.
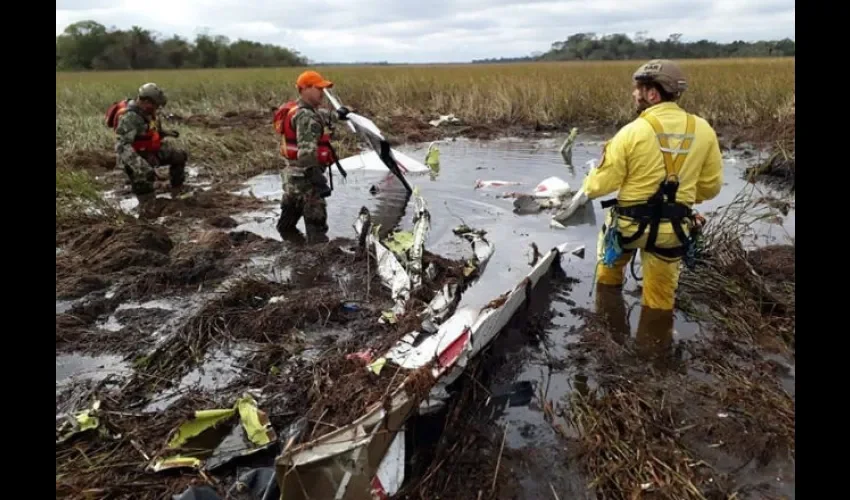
[(281, 115), (113, 110)]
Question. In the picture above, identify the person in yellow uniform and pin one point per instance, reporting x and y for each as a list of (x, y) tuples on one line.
[(661, 164)]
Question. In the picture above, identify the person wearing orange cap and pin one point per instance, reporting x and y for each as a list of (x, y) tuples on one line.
[(306, 148)]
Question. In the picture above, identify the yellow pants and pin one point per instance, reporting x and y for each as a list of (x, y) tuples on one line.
[(660, 275)]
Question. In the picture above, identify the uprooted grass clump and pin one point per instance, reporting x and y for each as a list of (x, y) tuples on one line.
[(672, 435), (779, 168), (656, 428), (137, 261), (79, 201), (203, 204), (747, 293)]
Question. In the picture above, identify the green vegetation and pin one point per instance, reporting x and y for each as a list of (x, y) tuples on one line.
[(88, 45), (592, 47)]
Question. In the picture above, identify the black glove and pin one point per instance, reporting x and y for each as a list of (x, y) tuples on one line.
[(342, 113)]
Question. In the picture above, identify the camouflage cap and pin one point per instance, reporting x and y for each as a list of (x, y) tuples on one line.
[(153, 92), (665, 72)]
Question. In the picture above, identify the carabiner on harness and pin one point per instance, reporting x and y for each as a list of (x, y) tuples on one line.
[(611, 247), (695, 243)]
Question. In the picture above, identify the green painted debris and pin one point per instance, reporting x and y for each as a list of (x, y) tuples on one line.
[(203, 442), (83, 421), (399, 243), (204, 420)]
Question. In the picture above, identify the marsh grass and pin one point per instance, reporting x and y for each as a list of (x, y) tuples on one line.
[(224, 116), (736, 92)]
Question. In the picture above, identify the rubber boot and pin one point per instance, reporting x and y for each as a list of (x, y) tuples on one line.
[(611, 305), (147, 206), (316, 233), (654, 337)]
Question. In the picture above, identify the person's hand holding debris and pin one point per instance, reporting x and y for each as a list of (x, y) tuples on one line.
[(342, 113)]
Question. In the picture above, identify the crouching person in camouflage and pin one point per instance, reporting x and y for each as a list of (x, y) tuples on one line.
[(306, 147), (139, 145)]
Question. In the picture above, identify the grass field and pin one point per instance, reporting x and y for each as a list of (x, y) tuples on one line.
[(729, 91), (235, 137)]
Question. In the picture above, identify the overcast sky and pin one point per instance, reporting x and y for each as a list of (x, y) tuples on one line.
[(435, 30)]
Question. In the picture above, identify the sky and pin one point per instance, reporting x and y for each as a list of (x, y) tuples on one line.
[(418, 31)]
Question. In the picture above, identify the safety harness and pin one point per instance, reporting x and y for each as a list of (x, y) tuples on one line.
[(661, 206)]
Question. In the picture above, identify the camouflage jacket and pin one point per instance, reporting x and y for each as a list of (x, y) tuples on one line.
[(132, 124), (309, 124)]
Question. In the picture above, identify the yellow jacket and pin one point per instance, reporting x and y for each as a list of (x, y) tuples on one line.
[(632, 163)]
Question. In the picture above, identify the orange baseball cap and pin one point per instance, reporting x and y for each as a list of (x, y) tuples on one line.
[(312, 79)]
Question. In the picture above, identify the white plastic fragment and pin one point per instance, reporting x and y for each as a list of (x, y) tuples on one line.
[(451, 119)]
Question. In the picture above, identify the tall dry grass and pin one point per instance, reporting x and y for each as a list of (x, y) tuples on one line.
[(728, 91)]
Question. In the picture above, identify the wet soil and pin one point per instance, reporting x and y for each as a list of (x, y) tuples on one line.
[(273, 316), (459, 452), (751, 294), (203, 204), (283, 317), (250, 120), (778, 170), (95, 160), (700, 418)]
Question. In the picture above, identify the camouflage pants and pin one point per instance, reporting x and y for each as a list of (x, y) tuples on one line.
[(304, 196), (142, 180)]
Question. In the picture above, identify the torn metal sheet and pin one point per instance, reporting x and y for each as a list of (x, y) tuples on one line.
[(578, 201), (450, 118), (390, 473), (349, 463), (552, 187), (566, 149), (399, 257), (441, 305), (392, 273), (371, 161), (369, 133), (421, 228)]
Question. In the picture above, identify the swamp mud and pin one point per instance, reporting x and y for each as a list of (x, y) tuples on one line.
[(332, 288), (707, 417), (250, 120), (95, 160), (296, 326)]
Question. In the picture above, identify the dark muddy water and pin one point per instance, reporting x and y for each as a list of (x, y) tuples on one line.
[(452, 200)]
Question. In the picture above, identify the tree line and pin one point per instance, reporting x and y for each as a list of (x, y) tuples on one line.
[(88, 45), (592, 47)]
